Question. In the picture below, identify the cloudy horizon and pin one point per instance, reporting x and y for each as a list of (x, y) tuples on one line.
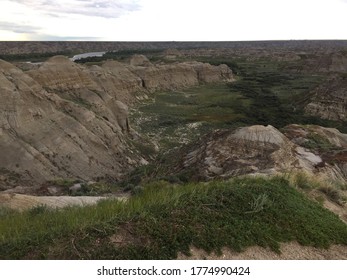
[(179, 20)]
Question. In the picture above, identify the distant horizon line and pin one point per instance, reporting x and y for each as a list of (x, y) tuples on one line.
[(171, 41)]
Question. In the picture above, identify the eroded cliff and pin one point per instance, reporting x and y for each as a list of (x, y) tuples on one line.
[(70, 121), (265, 150), (329, 100)]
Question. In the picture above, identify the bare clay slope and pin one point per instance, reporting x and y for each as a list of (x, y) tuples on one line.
[(70, 121), (46, 135), (265, 150)]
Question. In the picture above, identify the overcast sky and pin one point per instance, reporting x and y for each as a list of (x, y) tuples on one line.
[(172, 20)]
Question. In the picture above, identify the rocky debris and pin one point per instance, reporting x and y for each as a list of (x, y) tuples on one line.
[(329, 100), (75, 188), (327, 143), (64, 120), (256, 150)]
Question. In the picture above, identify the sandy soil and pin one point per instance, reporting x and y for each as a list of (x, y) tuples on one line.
[(290, 251), (23, 202)]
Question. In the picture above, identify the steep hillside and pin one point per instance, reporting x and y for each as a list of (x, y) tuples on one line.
[(261, 150), (329, 100), (48, 131), (70, 121)]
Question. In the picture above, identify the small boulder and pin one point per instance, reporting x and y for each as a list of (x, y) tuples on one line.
[(75, 188)]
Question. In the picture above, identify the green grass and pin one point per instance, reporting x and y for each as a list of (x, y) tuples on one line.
[(278, 90), (318, 143), (265, 92), (213, 102), (33, 57), (63, 182), (168, 118), (165, 219)]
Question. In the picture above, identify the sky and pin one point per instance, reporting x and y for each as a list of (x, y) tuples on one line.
[(172, 20)]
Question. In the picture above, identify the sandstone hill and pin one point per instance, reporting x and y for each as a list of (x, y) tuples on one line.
[(64, 120), (265, 150)]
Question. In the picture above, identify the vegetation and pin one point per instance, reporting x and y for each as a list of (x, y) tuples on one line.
[(66, 183), (265, 92), (83, 188), (32, 57), (333, 194), (317, 142), (8, 177), (165, 219), (169, 214)]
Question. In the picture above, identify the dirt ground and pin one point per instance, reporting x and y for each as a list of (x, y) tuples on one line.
[(290, 251)]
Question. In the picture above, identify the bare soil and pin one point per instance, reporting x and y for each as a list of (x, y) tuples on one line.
[(289, 251)]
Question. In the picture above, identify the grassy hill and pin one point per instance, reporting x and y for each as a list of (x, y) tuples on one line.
[(164, 219)]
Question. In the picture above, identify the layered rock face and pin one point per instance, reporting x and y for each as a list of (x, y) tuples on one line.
[(65, 120), (179, 75), (328, 143), (255, 150), (329, 100), (48, 131)]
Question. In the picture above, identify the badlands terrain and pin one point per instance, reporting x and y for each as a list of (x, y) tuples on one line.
[(245, 135)]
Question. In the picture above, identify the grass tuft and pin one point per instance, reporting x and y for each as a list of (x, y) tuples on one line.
[(333, 194)]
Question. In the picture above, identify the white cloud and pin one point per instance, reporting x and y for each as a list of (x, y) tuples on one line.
[(98, 8), (78, 19), (175, 19), (17, 28), (235, 20)]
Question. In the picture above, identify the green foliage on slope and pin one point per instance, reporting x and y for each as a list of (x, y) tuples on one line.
[(165, 219)]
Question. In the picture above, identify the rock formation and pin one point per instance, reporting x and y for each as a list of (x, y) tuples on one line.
[(258, 150), (48, 131), (179, 75), (327, 143), (329, 100), (64, 120)]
